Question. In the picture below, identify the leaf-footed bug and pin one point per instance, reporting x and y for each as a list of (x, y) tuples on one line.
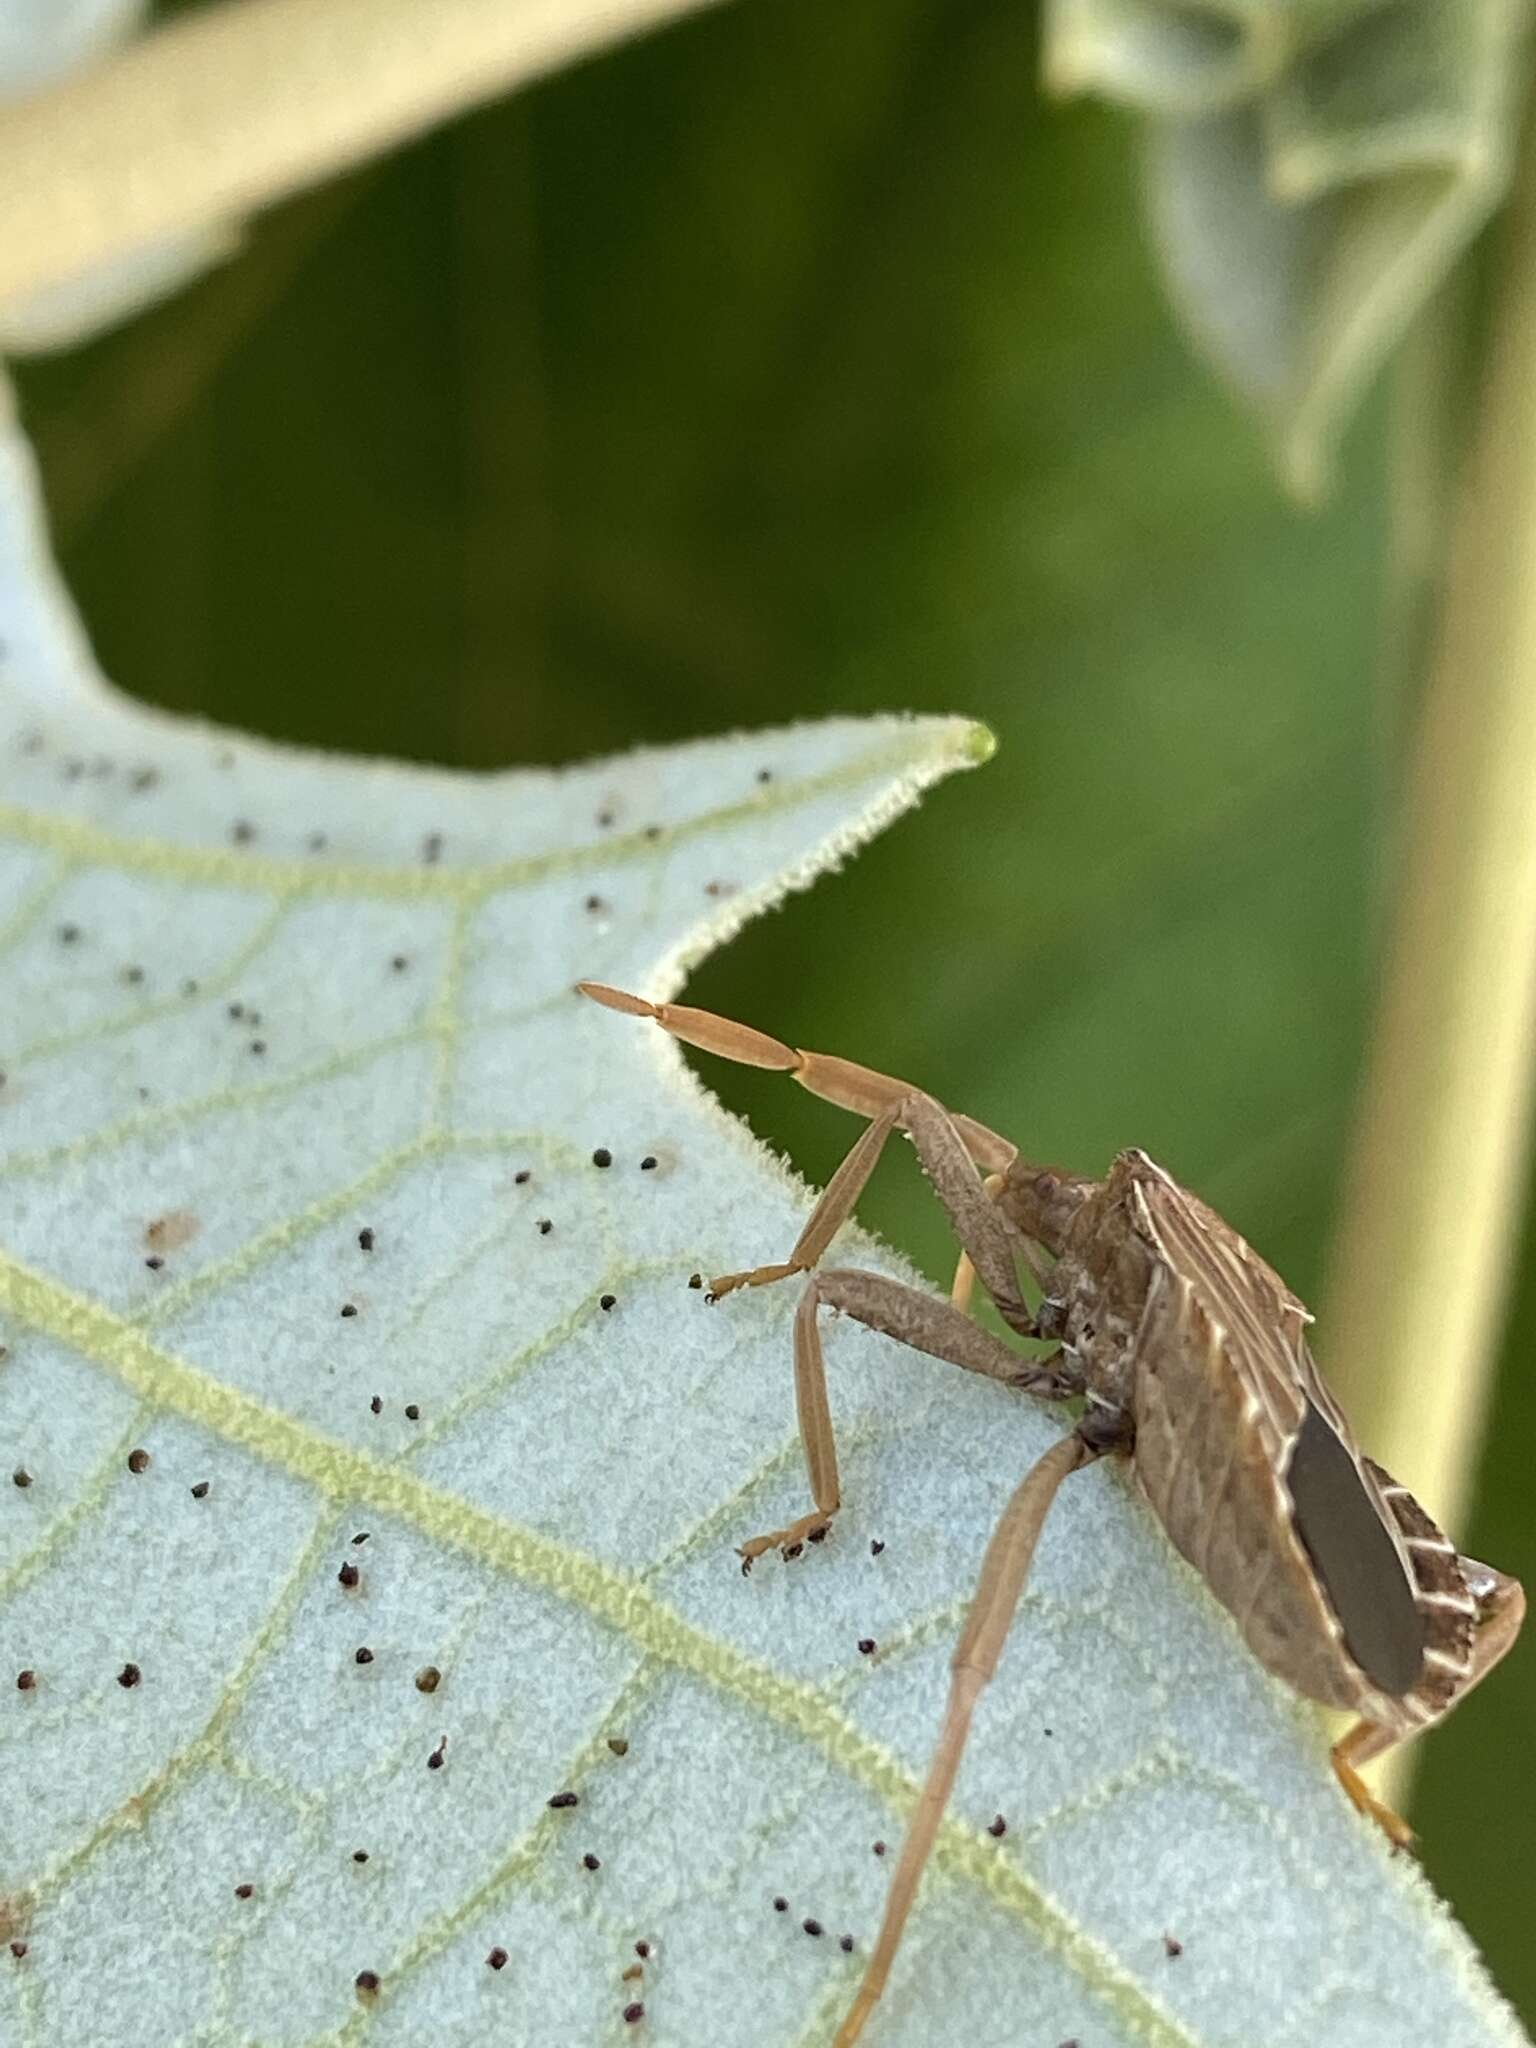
[(1191, 1356)]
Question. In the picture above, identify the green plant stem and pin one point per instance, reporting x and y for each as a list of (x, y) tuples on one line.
[(1436, 1174)]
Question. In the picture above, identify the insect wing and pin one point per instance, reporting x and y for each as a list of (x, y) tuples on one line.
[(1251, 1467)]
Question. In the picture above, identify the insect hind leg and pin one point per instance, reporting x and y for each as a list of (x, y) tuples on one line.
[(1364, 1741)]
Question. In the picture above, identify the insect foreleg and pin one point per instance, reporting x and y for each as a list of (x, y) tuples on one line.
[(834, 1206), (963, 1286), (911, 1317), (1003, 1573), (992, 1244)]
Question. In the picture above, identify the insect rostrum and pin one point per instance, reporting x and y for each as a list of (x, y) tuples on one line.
[(1191, 1356)]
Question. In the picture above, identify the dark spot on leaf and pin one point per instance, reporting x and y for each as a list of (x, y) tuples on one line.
[(606, 1300), (878, 1847), (648, 1163), (602, 1156), (412, 1412), (428, 1678), (376, 1405), (349, 1575), (695, 1279), (242, 832), (365, 1240), (435, 1760), (138, 1460), (845, 1943), (545, 1226), (781, 1904), (866, 1646), (235, 1011), (1172, 1948), (367, 1982), (361, 1536), (522, 1176), (642, 1949), (200, 1490), (876, 1548), (133, 976), (997, 1827), (129, 1676), (26, 1681), (69, 934), (362, 1655), (819, 1535), (618, 1745), (349, 1308), (564, 1799), (316, 842), (812, 1927), (21, 1476), (244, 1891), (594, 903), (765, 775), (497, 1959), (633, 2013), (18, 1949), (154, 1262), (590, 1862), (432, 848), (359, 1855), (399, 963)]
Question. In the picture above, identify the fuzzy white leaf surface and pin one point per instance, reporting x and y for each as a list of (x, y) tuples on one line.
[(255, 1003)]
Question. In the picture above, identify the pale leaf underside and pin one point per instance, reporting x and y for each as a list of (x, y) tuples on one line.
[(268, 1041)]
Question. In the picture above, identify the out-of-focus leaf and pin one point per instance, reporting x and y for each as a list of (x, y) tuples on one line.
[(344, 1265), (41, 40), (1312, 172)]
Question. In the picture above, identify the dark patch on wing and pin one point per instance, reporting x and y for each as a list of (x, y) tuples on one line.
[(1355, 1558)]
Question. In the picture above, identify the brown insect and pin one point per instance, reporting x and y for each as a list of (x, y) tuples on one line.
[(1190, 1354)]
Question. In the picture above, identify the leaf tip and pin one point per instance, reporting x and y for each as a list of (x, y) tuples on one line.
[(979, 743)]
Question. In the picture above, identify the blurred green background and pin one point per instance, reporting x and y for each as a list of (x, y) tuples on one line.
[(804, 360)]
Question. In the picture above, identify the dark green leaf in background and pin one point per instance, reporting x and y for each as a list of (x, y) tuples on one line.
[(804, 360)]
